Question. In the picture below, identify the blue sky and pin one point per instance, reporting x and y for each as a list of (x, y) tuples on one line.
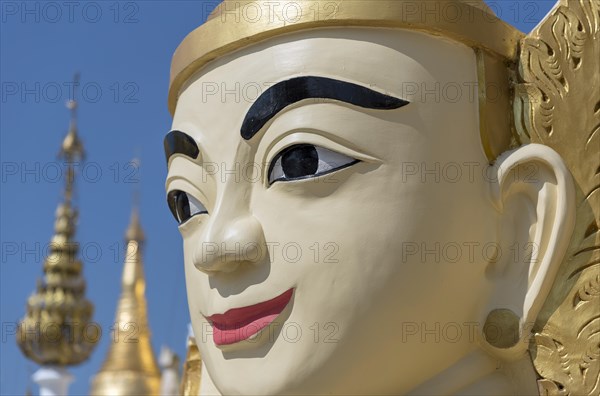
[(123, 51)]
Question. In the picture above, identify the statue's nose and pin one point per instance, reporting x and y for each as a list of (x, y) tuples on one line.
[(231, 243)]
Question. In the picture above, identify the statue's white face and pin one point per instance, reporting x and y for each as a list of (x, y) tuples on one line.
[(360, 233)]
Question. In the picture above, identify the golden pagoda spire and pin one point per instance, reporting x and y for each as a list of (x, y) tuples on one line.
[(130, 367), (57, 328)]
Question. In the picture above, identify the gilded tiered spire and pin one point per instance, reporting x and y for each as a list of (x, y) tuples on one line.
[(130, 367), (57, 328)]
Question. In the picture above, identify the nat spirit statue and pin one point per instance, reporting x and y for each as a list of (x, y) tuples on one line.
[(390, 197)]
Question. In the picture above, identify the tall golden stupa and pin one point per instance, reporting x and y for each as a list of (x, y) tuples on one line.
[(57, 330), (130, 367)]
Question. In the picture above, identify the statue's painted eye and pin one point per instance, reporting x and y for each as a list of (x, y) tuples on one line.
[(303, 161), (184, 206)]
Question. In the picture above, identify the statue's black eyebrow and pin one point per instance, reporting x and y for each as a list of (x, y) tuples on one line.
[(288, 92), (177, 142)]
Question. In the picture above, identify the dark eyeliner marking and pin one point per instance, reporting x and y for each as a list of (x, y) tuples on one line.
[(328, 172), (172, 202), (281, 154), (285, 93)]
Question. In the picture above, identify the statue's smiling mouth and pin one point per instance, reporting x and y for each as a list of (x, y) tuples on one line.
[(239, 324)]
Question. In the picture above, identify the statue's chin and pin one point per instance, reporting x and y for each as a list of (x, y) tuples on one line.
[(260, 368)]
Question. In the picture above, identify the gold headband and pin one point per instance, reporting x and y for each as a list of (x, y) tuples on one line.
[(238, 24)]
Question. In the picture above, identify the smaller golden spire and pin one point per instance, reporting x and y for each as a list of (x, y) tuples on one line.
[(130, 366)]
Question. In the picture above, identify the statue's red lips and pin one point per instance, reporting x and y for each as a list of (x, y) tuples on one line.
[(240, 324)]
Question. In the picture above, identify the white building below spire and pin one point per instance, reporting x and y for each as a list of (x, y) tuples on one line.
[(53, 380)]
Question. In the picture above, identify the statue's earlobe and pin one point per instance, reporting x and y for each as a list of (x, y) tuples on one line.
[(535, 196)]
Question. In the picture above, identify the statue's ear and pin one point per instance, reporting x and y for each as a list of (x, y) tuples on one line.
[(534, 194)]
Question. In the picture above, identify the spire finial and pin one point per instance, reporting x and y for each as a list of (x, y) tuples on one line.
[(136, 162), (72, 102), (134, 231), (72, 148)]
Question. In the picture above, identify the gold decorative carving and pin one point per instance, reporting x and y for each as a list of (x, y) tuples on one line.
[(192, 370), (557, 104)]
